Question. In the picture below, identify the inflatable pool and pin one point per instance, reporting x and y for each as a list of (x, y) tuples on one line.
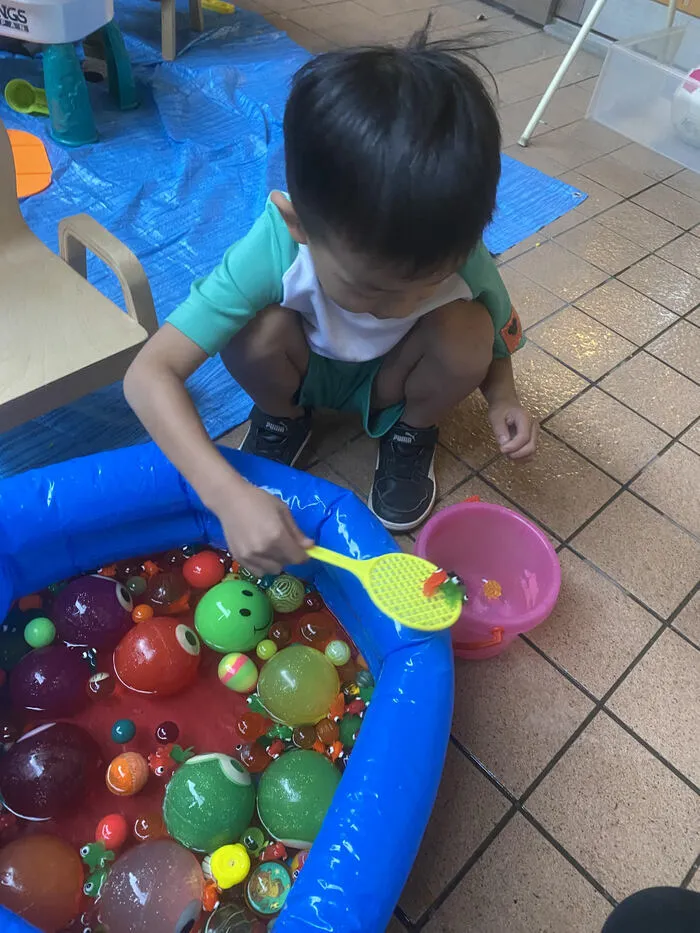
[(68, 518)]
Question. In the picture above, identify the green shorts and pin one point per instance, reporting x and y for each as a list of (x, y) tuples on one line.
[(343, 386)]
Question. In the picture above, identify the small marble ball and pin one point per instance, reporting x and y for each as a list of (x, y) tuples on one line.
[(238, 672), (265, 649), (136, 585), (112, 830), (39, 632), (123, 731), (286, 593), (338, 652), (142, 612), (167, 732), (127, 774)]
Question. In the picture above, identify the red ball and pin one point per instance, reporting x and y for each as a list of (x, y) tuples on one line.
[(159, 656), (112, 830), (203, 570)]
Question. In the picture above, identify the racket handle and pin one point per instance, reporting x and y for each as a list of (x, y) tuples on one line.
[(332, 557)]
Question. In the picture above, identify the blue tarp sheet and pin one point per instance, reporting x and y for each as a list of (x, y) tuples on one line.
[(179, 180)]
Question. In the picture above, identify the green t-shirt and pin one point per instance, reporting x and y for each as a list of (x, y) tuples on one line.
[(250, 277)]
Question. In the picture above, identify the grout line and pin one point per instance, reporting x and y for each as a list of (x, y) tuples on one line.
[(691, 874), (561, 670), (480, 766)]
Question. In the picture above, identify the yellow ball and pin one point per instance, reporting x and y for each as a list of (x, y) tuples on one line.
[(229, 865)]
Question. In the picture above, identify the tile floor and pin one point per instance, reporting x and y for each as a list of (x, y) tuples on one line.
[(571, 779)]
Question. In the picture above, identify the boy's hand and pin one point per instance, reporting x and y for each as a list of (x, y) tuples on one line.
[(515, 429), (260, 531)]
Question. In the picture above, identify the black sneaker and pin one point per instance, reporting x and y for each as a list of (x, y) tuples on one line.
[(404, 491), (279, 439)]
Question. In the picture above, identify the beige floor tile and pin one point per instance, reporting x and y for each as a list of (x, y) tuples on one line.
[(684, 253), (691, 438), (532, 301), (647, 161), (514, 712), (602, 247), (640, 226), (695, 881), (654, 390), (599, 198), (687, 182), (543, 383), (405, 24), (680, 347), (561, 146), (559, 271), (672, 484), (558, 487), (356, 462), (567, 106), (536, 158), (306, 38), (616, 175), (234, 438), (395, 926), (467, 434), (390, 7), (596, 630), (449, 470), (405, 542), (536, 239), (324, 471), (659, 701), (284, 6), (643, 551), (665, 283), (331, 431), (670, 204), (688, 620), (620, 812), (521, 884), (613, 437), (530, 80), (521, 51), (694, 317), (626, 311), (581, 342), (344, 22), (467, 808)]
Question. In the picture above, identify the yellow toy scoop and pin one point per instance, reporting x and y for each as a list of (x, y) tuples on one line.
[(395, 584)]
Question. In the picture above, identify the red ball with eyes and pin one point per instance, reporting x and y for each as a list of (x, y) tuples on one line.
[(159, 656)]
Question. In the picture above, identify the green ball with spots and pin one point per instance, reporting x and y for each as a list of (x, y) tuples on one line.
[(294, 795), (234, 615), (209, 802), (286, 593), (39, 632)]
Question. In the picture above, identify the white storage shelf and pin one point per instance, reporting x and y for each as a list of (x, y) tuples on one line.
[(645, 94)]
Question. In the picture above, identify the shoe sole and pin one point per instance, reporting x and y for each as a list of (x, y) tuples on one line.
[(407, 526), (298, 454)]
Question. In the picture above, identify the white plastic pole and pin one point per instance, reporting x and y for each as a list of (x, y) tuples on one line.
[(562, 69)]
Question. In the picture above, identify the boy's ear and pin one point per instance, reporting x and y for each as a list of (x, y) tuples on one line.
[(289, 215)]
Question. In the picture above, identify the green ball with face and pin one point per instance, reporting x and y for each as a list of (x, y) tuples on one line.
[(209, 802), (233, 616), (294, 795)]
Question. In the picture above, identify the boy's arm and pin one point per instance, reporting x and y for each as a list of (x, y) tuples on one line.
[(259, 528)]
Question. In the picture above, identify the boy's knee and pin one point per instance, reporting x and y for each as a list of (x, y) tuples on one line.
[(462, 336), (270, 333)]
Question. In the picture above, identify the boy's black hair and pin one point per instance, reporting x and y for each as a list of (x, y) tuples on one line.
[(395, 152)]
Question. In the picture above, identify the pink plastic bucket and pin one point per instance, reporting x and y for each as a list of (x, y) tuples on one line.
[(483, 542)]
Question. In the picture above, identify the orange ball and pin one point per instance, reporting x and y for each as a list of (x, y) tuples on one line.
[(142, 612), (127, 774)]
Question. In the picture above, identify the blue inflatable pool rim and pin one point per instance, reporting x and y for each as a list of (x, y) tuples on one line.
[(69, 518)]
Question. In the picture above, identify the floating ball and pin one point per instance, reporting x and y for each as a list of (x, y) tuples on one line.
[(127, 774), (233, 616), (41, 880), (286, 593), (265, 649), (304, 736), (167, 732), (112, 830), (208, 802), (252, 725), (156, 887), (203, 570), (338, 652), (168, 594), (238, 672), (142, 612), (50, 681), (136, 585), (149, 826), (280, 633), (267, 888), (159, 656), (39, 632), (294, 795), (123, 731), (48, 772), (297, 685), (317, 628), (92, 612), (229, 865)]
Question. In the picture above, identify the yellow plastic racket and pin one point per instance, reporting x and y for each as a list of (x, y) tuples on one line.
[(394, 583)]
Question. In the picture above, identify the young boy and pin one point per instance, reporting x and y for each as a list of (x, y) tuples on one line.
[(367, 288)]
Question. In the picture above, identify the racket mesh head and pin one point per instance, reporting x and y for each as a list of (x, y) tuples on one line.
[(396, 586)]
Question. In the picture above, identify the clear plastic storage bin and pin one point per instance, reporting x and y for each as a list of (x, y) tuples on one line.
[(649, 90)]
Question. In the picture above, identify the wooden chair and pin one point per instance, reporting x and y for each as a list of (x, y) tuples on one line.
[(60, 338), (168, 31)]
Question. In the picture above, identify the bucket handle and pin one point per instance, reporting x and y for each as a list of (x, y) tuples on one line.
[(496, 639)]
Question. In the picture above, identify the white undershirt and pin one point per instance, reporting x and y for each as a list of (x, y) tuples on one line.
[(337, 334)]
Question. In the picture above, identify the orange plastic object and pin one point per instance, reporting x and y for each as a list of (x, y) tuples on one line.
[(32, 166), (496, 639), (142, 612), (492, 589), (33, 601)]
